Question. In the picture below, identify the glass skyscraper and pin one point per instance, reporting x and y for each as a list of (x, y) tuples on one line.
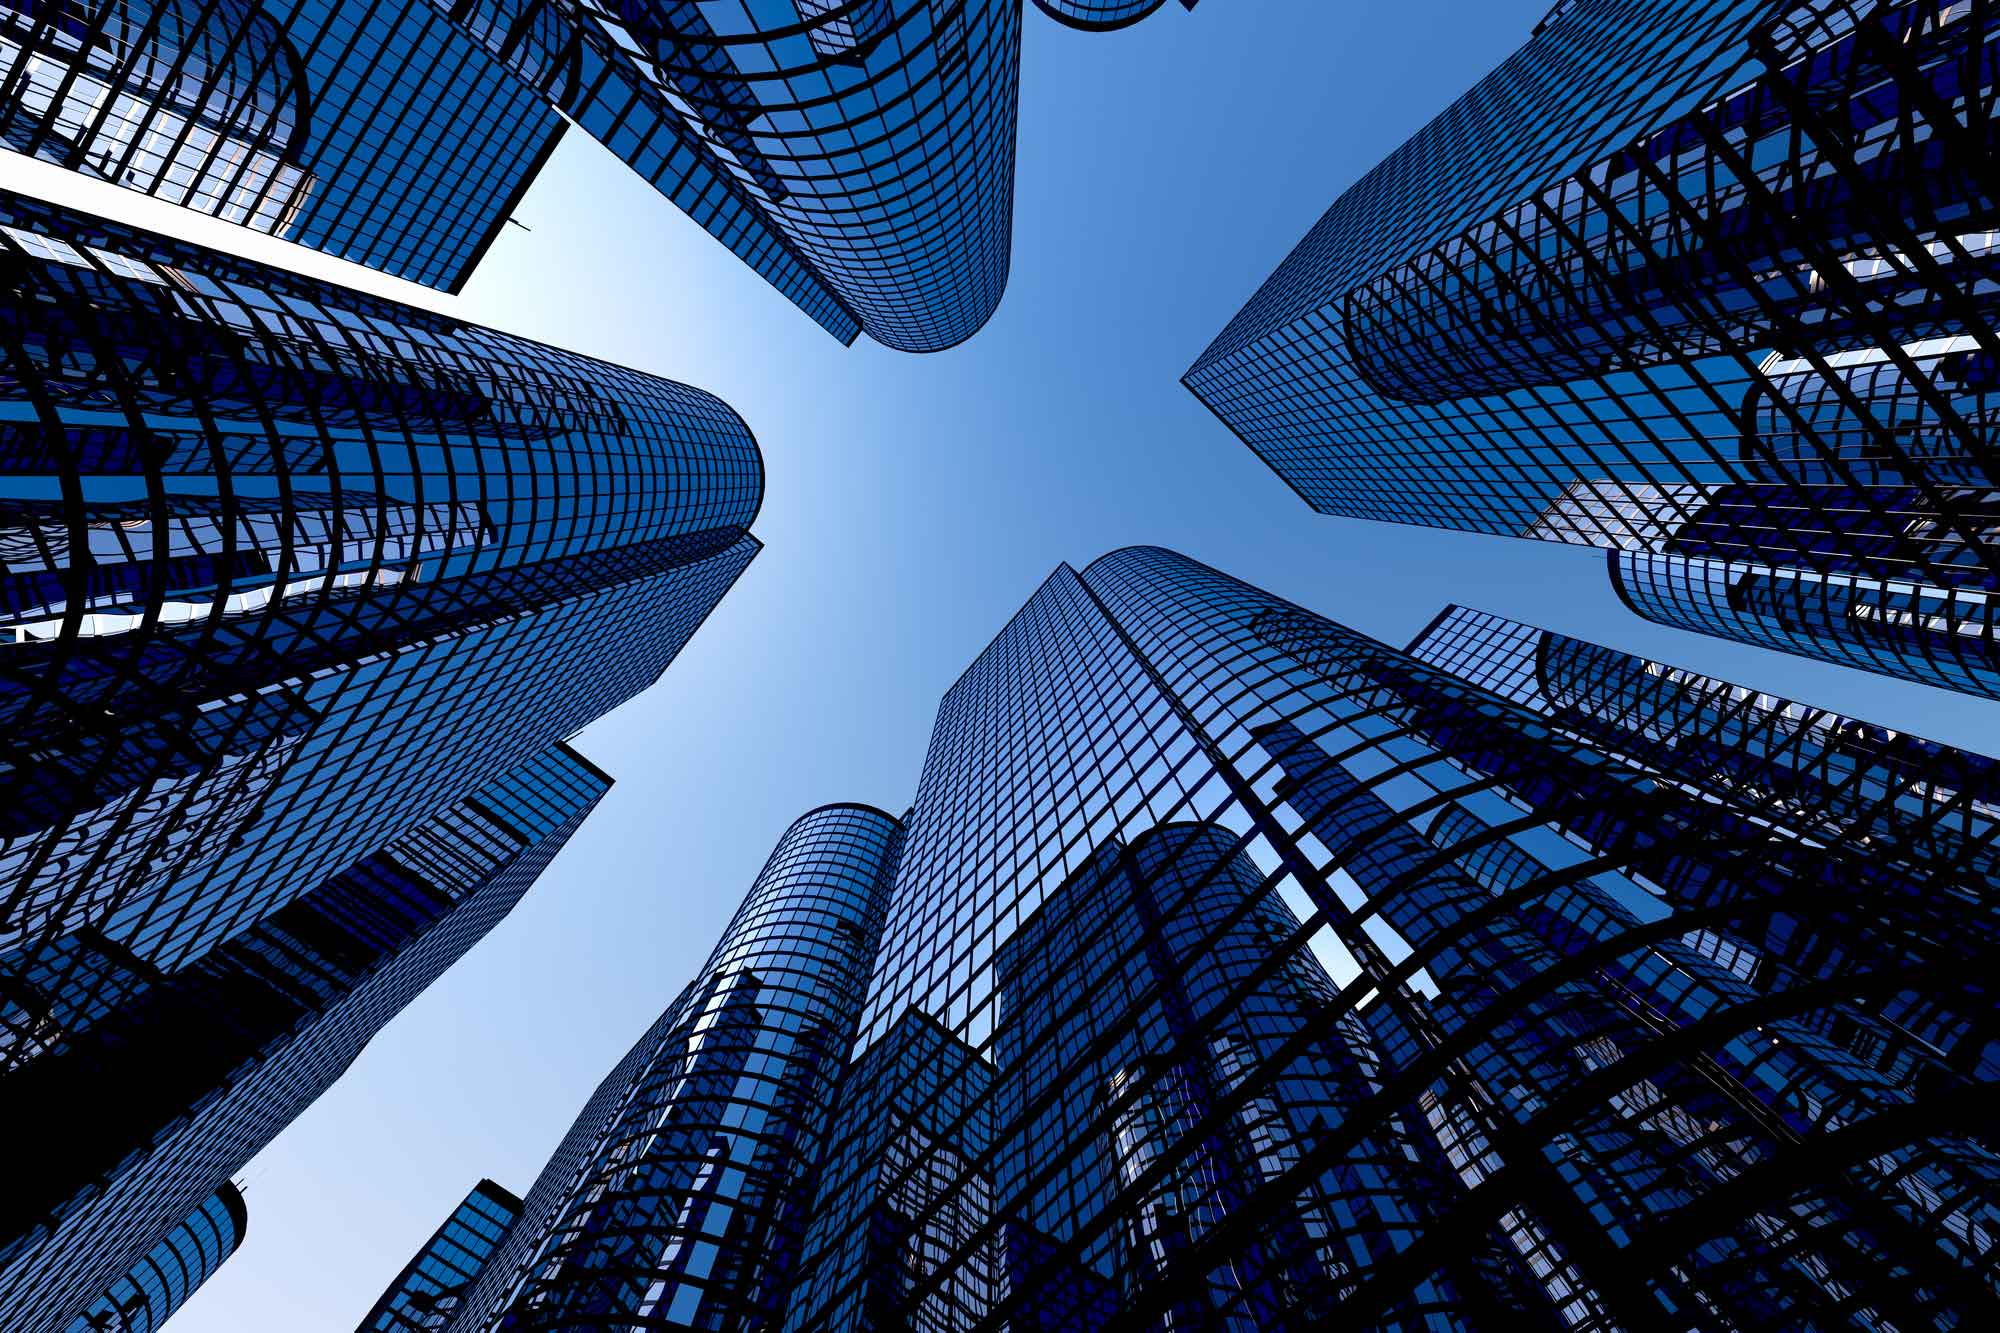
[(1239, 971), (859, 155), (302, 591), (290, 569), (373, 131), (1705, 283), (150, 1089), (427, 1293), (141, 1300), (687, 1206)]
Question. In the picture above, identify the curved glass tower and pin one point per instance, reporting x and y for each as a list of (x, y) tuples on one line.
[(859, 154), (201, 102), (690, 1206), (1245, 972), (161, 1282), (1101, 15), (1705, 284), (1241, 972), (372, 131), (287, 569)]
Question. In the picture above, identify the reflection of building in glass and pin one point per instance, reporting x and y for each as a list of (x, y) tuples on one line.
[(158, 1284), (148, 1088), (428, 1292), (1241, 971), (858, 154), (375, 132), (893, 1203), (689, 1206), (201, 102), (1909, 800), (289, 569), (1709, 286)]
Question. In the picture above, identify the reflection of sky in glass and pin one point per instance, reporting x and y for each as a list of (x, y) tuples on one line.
[(914, 503)]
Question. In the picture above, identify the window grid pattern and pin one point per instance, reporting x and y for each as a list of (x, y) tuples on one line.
[(1391, 1002), (200, 102), (145, 1112), (427, 1293), (1693, 282), (859, 155), (375, 132), (1908, 799), (690, 1208), (160, 1283), (1101, 15), (338, 560)]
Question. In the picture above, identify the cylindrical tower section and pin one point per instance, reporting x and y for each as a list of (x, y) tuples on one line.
[(199, 102), (225, 488), (873, 138), (691, 1209), (1100, 15), (160, 1283)]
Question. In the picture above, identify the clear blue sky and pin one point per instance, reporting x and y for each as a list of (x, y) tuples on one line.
[(914, 503)]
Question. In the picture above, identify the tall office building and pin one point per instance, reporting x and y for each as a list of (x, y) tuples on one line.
[(428, 1292), (681, 1197), (150, 1089), (141, 1300), (1243, 972), (859, 155), (1705, 283), (373, 131), (289, 570)]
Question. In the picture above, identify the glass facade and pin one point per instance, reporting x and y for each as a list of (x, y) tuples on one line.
[(1911, 801), (375, 132), (859, 155), (138, 1111), (327, 564), (1705, 284), (140, 1301), (427, 1293), (1243, 972), (688, 1208)]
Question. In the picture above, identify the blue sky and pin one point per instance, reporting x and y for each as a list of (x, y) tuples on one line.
[(913, 504)]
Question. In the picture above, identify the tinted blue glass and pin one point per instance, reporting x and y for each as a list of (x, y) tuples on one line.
[(858, 155), (1704, 284), (155, 1103), (690, 1205), (1242, 972), (375, 132), (158, 1284), (431, 1288)]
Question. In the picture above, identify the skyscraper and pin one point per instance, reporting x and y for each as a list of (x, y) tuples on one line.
[(688, 1206), (150, 1089), (1703, 284), (1243, 972), (858, 155), (373, 131), (141, 1300), (429, 1290), (290, 570)]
